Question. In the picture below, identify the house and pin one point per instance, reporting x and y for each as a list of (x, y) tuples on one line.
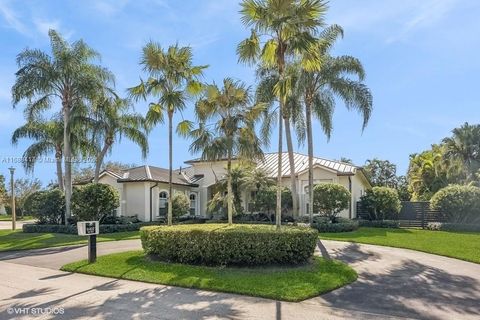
[(144, 190)]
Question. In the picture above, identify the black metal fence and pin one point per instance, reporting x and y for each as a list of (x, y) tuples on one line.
[(412, 214)]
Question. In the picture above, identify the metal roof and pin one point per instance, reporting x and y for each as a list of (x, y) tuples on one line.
[(270, 164), (155, 174)]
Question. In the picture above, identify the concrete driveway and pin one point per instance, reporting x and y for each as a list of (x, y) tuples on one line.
[(393, 284)]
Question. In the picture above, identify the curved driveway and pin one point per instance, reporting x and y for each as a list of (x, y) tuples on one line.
[(393, 284)]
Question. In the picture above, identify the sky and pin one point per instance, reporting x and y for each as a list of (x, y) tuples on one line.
[(421, 60)]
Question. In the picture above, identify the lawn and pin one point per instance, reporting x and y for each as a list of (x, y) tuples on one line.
[(281, 283), (460, 245), (19, 218), (18, 240)]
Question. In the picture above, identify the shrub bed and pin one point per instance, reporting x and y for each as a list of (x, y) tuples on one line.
[(392, 224), (217, 244), (323, 224), (72, 229), (445, 226)]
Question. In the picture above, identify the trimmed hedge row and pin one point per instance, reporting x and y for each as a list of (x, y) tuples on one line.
[(72, 229), (324, 225), (445, 226), (219, 244), (391, 224)]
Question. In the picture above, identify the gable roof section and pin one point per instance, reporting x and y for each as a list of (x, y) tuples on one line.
[(153, 174)]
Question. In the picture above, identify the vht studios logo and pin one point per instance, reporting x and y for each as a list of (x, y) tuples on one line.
[(36, 311)]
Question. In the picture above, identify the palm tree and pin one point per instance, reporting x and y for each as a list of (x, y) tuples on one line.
[(110, 122), (173, 80), (67, 75), (464, 145), (292, 113), (287, 28), (321, 86), (48, 138), (231, 134)]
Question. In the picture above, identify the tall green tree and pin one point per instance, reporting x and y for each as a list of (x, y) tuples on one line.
[(68, 76), (281, 30), (226, 130), (381, 173), (48, 139), (322, 86), (464, 146), (172, 81), (110, 121)]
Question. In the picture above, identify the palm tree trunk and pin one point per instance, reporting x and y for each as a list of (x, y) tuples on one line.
[(67, 151), (278, 212), (229, 190), (308, 119), (99, 161), (170, 172), (293, 177), (58, 161)]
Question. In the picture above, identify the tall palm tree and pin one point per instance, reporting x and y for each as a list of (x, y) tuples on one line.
[(48, 137), (320, 87), (173, 80), (281, 29), (464, 145), (110, 121), (227, 128), (69, 76), (292, 113)]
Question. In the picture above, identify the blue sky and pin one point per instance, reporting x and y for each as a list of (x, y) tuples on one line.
[(421, 59)]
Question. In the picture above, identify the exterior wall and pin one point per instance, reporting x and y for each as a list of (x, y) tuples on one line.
[(112, 181), (137, 200)]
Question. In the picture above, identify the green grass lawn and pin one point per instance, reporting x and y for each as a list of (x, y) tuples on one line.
[(460, 245), (18, 240), (19, 218), (281, 283)]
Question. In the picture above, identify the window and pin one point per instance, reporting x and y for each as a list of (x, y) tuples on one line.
[(193, 204), (162, 203)]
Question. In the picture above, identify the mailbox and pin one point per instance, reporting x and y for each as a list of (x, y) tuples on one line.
[(88, 228)]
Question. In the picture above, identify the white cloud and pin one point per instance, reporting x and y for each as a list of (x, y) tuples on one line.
[(393, 19), (11, 19)]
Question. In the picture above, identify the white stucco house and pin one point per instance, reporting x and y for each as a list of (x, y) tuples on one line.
[(144, 190)]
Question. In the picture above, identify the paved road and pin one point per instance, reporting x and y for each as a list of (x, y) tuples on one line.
[(393, 284), (7, 225)]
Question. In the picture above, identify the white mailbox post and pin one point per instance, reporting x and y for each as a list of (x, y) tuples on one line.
[(90, 229)]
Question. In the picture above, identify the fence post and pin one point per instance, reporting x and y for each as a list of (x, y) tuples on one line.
[(423, 216)]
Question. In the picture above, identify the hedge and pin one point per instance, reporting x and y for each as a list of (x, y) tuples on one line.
[(392, 224), (445, 226), (72, 229), (323, 224), (218, 244)]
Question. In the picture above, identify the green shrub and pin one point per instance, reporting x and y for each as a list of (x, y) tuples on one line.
[(72, 229), (329, 199), (217, 244), (325, 224), (266, 200), (48, 207), (180, 205), (445, 226), (382, 203), (461, 204), (94, 201), (391, 224)]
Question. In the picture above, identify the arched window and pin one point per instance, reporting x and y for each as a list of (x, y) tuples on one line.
[(193, 204), (162, 203)]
